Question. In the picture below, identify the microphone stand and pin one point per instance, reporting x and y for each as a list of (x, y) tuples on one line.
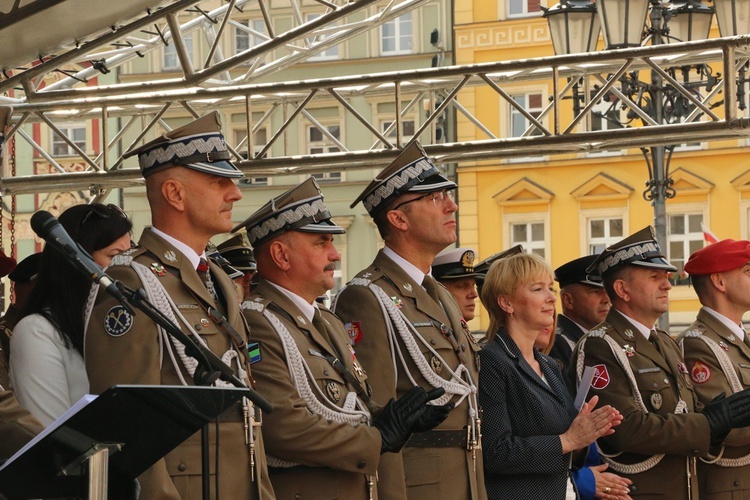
[(210, 367)]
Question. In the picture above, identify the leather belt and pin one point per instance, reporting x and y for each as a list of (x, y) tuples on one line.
[(438, 439), (275, 471)]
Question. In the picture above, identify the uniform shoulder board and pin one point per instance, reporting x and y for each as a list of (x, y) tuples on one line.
[(694, 332), (599, 332), (359, 281), (126, 257), (256, 304)]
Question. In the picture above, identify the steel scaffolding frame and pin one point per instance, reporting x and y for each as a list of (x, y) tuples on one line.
[(713, 117)]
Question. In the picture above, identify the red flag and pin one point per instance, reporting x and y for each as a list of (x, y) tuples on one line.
[(708, 235)]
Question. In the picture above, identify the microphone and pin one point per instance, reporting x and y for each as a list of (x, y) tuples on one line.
[(47, 227)]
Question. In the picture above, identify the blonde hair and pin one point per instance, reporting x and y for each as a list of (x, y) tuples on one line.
[(504, 278)]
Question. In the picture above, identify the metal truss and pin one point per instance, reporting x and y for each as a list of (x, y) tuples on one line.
[(712, 113)]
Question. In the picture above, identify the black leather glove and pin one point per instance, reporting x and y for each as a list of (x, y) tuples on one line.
[(727, 413), (397, 419), (432, 417)]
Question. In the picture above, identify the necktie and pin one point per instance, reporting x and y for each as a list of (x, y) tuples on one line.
[(320, 325), (205, 275), (654, 339), (430, 286)]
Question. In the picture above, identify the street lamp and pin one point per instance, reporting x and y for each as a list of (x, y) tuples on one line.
[(574, 26), (733, 17), (623, 23)]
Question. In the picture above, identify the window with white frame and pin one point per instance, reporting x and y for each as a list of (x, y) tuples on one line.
[(530, 235), (684, 236), (76, 132), (522, 7), (252, 33), (259, 142), (532, 103), (330, 52), (319, 142), (397, 35), (408, 127), (170, 59), (602, 232)]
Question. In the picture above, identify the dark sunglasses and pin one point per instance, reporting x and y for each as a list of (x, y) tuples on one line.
[(105, 212)]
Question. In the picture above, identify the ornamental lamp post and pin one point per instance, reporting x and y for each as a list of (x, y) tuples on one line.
[(623, 23)]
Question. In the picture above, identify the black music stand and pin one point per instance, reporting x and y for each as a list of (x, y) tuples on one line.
[(118, 435)]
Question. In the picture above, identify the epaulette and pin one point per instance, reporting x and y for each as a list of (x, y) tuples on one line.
[(695, 332), (257, 304), (599, 332), (126, 257)]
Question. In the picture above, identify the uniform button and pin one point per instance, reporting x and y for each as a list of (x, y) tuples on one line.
[(297, 496), (736, 483), (197, 327), (666, 381), (656, 385), (325, 372), (432, 342), (181, 467), (361, 465)]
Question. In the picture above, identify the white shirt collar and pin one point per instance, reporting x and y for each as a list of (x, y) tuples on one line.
[(734, 327), (409, 268), (188, 252), (646, 331), (307, 309)]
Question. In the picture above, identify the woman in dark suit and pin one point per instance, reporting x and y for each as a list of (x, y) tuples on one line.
[(530, 426)]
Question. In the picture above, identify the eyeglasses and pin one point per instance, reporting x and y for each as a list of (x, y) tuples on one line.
[(438, 198), (105, 212)]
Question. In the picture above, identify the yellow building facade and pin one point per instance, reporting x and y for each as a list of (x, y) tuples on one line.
[(568, 205)]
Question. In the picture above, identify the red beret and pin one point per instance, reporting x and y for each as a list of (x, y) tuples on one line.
[(719, 257), (7, 264)]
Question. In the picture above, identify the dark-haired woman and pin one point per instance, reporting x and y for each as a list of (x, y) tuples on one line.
[(530, 427), (47, 370)]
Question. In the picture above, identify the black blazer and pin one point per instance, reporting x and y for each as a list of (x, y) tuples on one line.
[(523, 418), (566, 332)]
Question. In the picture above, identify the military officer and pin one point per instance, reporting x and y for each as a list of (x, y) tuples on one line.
[(718, 357), (454, 269), (190, 188), (325, 436), (639, 370), (584, 303), (407, 328), (239, 253)]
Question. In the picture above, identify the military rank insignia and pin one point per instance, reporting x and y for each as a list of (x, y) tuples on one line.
[(333, 391), (158, 269), (700, 373), (355, 333), (253, 352), (117, 321), (656, 401)]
